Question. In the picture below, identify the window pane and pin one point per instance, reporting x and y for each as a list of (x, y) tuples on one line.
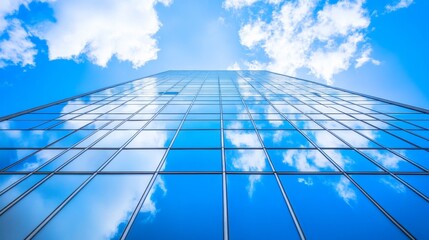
[(409, 209), (330, 207), (35, 161), (390, 160), (152, 139), (90, 160), (20, 188), (115, 139), (194, 199), (23, 217), (241, 139), (136, 160), (197, 139), (257, 210), (8, 157), (246, 160), (300, 160), (98, 211), (193, 160), (350, 160), (284, 139), (325, 139)]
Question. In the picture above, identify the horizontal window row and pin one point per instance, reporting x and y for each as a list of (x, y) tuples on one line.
[(255, 201), (240, 159)]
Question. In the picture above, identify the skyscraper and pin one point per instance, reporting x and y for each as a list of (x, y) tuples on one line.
[(212, 155)]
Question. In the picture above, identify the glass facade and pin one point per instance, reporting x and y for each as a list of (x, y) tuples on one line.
[(216, 155)]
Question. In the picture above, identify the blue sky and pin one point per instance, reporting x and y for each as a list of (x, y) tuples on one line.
[(53, 49)]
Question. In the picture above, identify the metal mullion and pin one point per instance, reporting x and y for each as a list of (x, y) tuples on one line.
[(68, 99), (359, 94), (384, 121), (224, 179), (62, 121), (381, 166), (386, 148), (81, 114), (157, 170), (378, 119), (84, 95), (283, 192), (60, 167), (390, 150), (76, 191), (393, 220), (378, 164), (46, 163), (71, 132), (411, 162)]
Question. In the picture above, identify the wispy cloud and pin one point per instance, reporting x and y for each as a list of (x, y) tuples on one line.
[(17, 48), (398, 5), (237, 4)]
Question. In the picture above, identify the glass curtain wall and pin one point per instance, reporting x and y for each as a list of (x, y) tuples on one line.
[(216, 155)]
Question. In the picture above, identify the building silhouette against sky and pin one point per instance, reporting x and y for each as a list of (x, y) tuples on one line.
[(212, 155)]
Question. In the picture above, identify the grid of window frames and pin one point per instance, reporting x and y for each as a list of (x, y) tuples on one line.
[(212, 155)]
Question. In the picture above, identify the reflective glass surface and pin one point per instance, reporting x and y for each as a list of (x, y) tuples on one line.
[(257, 209), (314, 198), (216, 155), (180, 203), (99, 212)]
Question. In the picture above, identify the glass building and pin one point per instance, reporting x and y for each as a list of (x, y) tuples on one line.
[(216, 155)]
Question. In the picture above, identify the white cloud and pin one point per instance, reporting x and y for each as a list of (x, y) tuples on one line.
[(365, 57), (8, 7), (101, 29), (96, 29), (17, 48), (393, 183), (237, 4), (345, 191), (306, 160), (308, 181), (324, 39), (234, 66), (399, 4)]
